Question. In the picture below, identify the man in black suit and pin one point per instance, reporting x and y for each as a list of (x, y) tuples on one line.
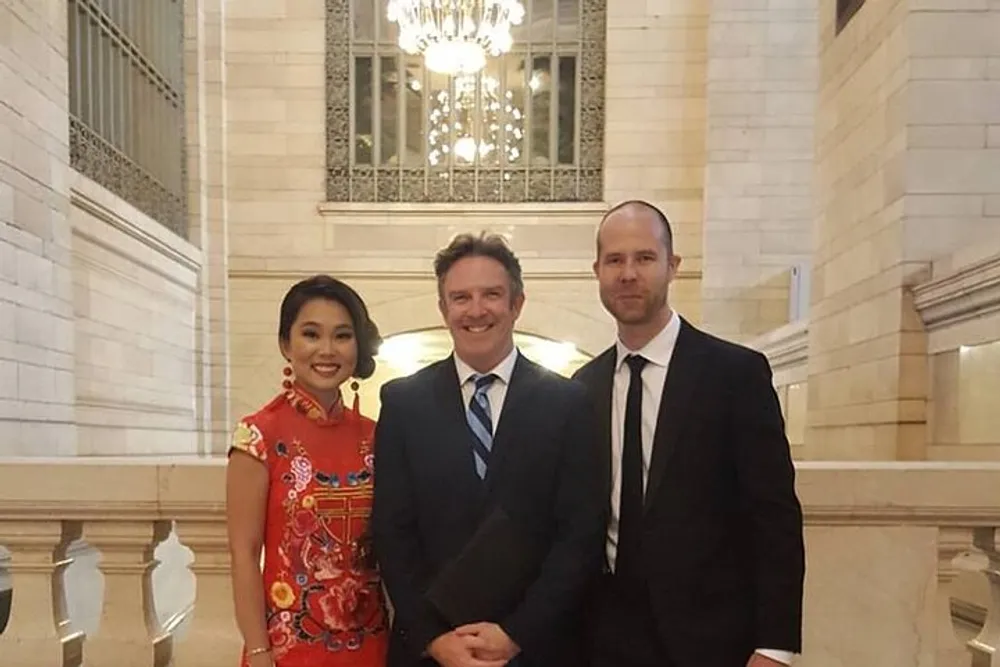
[(480, 430), (704, 557)]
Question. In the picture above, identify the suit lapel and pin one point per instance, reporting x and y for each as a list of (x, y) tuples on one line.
[(456, 438), (603, 392), (522, 378), (678, 389)]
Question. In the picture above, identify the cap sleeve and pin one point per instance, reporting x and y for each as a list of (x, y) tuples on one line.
[(247, 438)]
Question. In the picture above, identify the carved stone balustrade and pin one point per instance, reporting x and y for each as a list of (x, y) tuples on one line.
[(883, 541), (123, 509)]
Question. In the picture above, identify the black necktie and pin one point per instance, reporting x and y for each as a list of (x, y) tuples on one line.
[(630, 506)]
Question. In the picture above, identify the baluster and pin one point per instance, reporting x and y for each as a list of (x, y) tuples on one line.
[(38, 632), (212, 637), (985, 647), (951, 543), (128, 617)]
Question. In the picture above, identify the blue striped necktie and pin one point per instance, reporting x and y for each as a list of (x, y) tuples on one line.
[(480, 420)]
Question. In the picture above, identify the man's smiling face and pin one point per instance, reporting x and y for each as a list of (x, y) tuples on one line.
[(480, 310)]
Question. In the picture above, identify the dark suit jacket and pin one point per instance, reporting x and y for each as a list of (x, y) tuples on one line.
[(545, 472), (722, 546)]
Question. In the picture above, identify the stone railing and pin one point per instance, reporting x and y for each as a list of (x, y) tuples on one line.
[(123, 510), (884, 542)]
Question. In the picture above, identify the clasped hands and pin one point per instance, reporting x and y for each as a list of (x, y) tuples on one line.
[(474, 645)]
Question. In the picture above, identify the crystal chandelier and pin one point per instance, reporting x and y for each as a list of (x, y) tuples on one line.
[(499, 121), (455, 36)]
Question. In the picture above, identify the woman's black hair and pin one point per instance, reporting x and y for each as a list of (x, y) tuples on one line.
[(331, 289)]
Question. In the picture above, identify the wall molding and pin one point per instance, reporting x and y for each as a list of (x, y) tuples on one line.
[(967, 294), (786, 347), (86, 195), (190, 286), (139, 407), (388, 274), (365, 212)]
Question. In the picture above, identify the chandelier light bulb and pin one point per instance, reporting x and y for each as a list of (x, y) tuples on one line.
[(460, 138), (455, 36)]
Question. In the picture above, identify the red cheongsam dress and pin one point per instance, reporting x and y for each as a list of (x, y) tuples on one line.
[(323, 595)]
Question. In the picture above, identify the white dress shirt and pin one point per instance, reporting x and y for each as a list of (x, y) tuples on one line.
[(497, 391), (658, 352)]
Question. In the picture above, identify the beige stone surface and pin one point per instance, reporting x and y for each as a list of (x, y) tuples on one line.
[(860, 588), (106, 319), (135, 291), (761, 102), (207, 114), (962, 421), (906, 176), (657, 66), (36, 291), (860, 320)]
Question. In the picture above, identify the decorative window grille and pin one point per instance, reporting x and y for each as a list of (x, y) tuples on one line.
[(528, 127), (126, 102)]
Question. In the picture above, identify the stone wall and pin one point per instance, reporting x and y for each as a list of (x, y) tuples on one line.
[(280, 229), (37, 414), (762, 80), (908, 100), (97, 301), (135, 291)]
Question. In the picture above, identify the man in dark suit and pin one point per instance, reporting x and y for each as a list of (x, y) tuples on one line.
[(480, 430), (704, 557)]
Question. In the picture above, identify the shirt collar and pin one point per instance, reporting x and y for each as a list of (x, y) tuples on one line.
[(503, 370), (658, 350)]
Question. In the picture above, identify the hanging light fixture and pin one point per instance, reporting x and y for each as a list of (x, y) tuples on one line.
[(455, 132), (455, 36)]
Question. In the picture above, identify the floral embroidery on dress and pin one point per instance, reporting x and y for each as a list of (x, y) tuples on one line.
[(248, 438), (322, 587), (309, 407)]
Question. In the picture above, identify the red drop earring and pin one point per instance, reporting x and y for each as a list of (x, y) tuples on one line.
[(357, 396), (287, 382)]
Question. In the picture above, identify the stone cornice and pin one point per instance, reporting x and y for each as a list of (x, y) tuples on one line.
[(969, 293), (88, 195), (584, 212), (785, 347), (389, 274)]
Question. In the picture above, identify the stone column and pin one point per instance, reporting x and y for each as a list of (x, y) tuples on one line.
[(36, 286), (205, 72), (758, 178), (908, 169)]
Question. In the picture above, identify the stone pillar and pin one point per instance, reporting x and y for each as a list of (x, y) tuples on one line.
[(37, 633), (212, 637), (128, 631), (908, 169), (758, 178), (36, 287), (205, 74)]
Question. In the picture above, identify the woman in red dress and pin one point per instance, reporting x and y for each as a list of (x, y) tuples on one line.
[(299, 487)]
